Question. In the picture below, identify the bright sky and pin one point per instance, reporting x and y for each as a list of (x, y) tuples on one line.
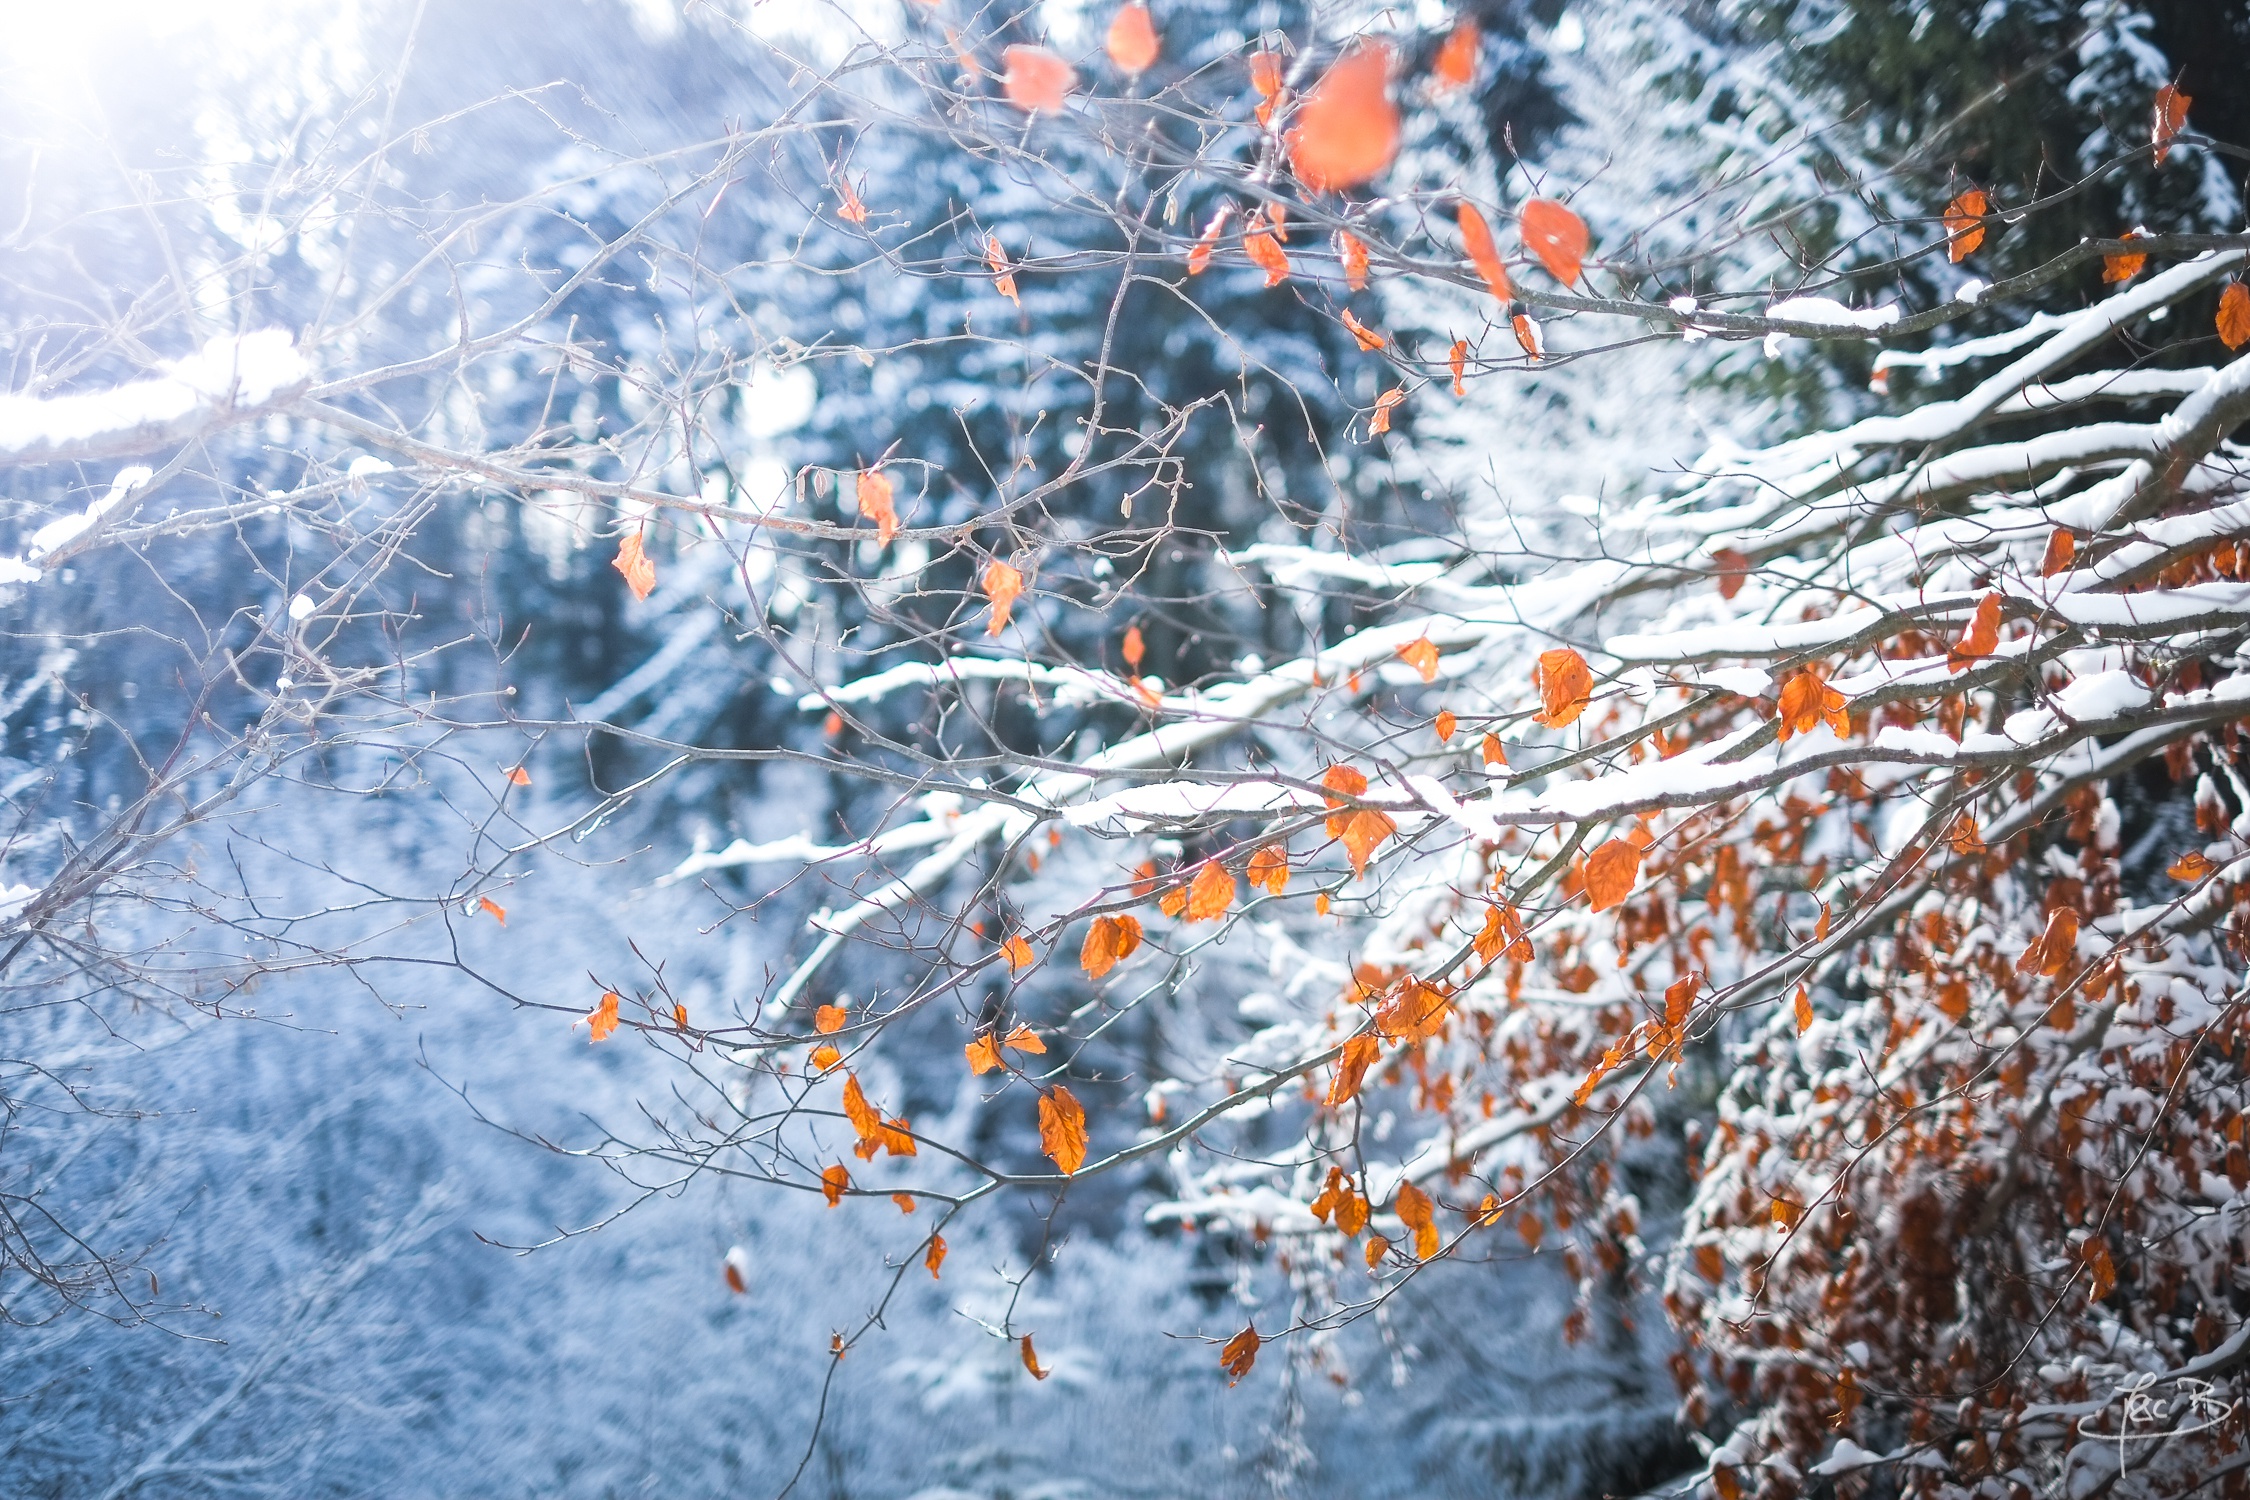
[(54, 41)]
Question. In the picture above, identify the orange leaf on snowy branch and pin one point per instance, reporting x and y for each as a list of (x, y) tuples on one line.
[(2055, 948), (1476, 239), (829, 1019), (1566, 686), (1346, 130), (1062, 1128), (2125, 265), (1018, 952), (1733, 569), (1366, 830), (1031, 1360), (1036, 78), (1495, 754), (1964, 224), (1444, 724), (834, 1183), (863, 1115), (1023, 1039), (1385, 404), (1003, 277), (1557, 236), (602, 1019), (1416, 1015), (1804, 1011), (825, 1057), (518, 776), (983, 1054), (1358, 1055), (1132, 41), (875, 504), (1610, 873), (1002, 585), (1109, 942), (936, 1256), (1457, 360), (1807, 702), (1369, 339), (848, 207), (493, 909), (1456, 65), (1965, 839), (634, 564), (1353, 254), (1529, 338), (1981, 637), (1265, 73), (2171, 118), (1269, 869), (2062, 551), (1421, 654), (1199, 256), (1266, 254), (1211, 892), (1239, 1354), (2192, 865), (1132, 649), (1414, 1210), (2234, 315)]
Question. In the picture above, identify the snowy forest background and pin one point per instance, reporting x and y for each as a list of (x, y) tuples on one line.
[(321, 1182)]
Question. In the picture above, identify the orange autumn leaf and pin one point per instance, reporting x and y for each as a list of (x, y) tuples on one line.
[(1804, 1011), (1265, 253), (1031, 1360), (2125, 265), (1062, 1128), (1353, 254), (2055, 948), (849, 208), (1457, 360), (1417, 1014), (1239, 1354), (1173, 901), (1733, 569), (1199, 256), (1036, 78), (1610, 873), (1133, 649), (679, 1016), (601, 1021), (1341, 781), (1413, 1208), (1269, 869), (1445, 724), (1807, 702), (736, 1268), (1377, 1248), (1018, 952), (493, 909), (2170, 118), (1980, 638), (828, 1019), (518, 776), (1366, 830), (1002, 585), (1964, 224), (1421, 654), (1557, 236), (1529, 338), (1965, 839), (1132, 41), (634, 564), (834, 1183), (1346, 130), (2062, 551), (1565, 684), (1385, 404), (866, 1121), (1109, 942), (904, 1202), (1023, 1039), (1003, 278), (1277, 218), (875, 503), (2190, 866), (1476, 239), (1352, 1064), (983, 1054), (2234, 316), (825, 1057), (1369, 339), (1265, 73), (1456, 65), (1210, 893), (936, 1255)]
